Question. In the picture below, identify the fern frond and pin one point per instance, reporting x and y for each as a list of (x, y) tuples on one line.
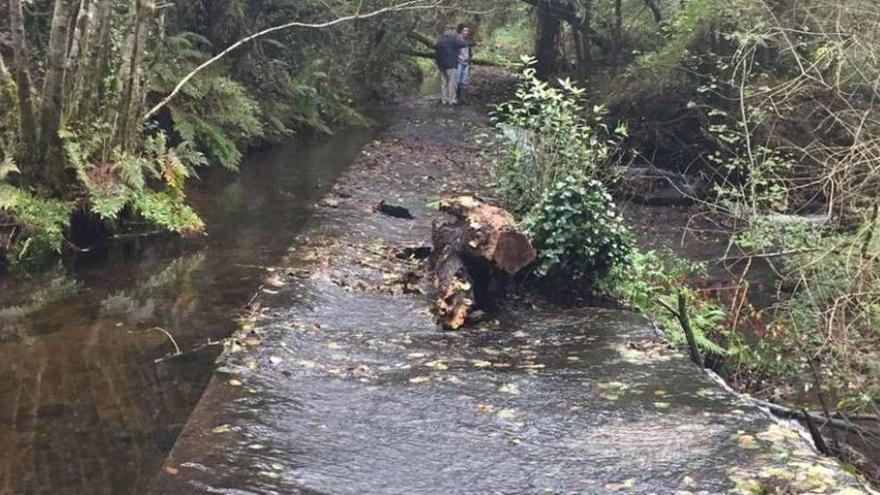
[(42, 220), (7, 167), (168, 212)]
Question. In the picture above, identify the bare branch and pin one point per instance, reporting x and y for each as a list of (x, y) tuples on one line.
[(409, 5)]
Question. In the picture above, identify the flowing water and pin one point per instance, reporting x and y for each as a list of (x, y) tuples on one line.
[(351, 388), (84, 406)]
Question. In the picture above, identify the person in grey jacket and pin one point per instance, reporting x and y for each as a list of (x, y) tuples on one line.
[(446, 53), (464, 62)]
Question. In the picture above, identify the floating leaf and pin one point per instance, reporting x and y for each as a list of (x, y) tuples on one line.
[(747, 442), (506, 414), (486, 408), (509, 388)]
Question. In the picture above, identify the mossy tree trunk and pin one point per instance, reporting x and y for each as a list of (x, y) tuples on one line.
[(22, 76), (52, 99), (131, 75)]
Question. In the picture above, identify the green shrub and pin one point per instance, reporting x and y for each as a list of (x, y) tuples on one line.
[(150, 183), (651, 281), (576, 230), (542, 136), (41, 223)]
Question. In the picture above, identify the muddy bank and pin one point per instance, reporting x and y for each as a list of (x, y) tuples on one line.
[(343, 383)]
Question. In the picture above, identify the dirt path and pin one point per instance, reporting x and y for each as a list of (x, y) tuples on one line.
[(343, 384)]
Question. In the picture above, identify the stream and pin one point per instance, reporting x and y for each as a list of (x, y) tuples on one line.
[(84, 406), (342, 383)]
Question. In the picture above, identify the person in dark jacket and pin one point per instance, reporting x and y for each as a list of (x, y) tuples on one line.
[(446, 53)]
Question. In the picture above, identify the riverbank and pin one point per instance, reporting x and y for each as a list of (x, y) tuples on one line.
[(748, 290), (341, 382)]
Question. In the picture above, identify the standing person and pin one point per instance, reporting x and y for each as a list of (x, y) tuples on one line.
[(446, 53), (464, 61)]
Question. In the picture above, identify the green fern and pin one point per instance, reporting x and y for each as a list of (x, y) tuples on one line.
[(42, 222), (7, 167), (168, 212)]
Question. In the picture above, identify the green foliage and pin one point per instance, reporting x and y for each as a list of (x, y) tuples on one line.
[(214, 112), (576, 230), (219, 117), (7, 168), (167, 211), (510, 36), (829, 307), (42, 222), (306, 95), (651, 282), (542, 136), (549, 165), (9, 118), (122, 180), (690, 38)]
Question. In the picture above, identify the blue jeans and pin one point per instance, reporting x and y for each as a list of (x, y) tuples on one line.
[(464, 75)]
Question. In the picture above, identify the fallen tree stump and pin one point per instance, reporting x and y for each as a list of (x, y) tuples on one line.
[(492, 234), (480, 241)]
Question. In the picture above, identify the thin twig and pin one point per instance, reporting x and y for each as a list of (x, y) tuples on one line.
[(410, 5), (170, 337)]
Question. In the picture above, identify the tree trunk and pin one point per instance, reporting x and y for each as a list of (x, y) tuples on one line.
[(585, 61), (455, 288), (469, 252), (492, 234), (655, 10), (618, 31), (132, 74), (88, 84), (79, 43), (52, 101), (22, 75), (547, 45)]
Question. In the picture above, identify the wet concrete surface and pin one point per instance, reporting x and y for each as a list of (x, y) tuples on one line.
[(84, 406), (343, 384)]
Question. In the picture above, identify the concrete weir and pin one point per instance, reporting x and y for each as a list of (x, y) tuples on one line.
[(343, 384)]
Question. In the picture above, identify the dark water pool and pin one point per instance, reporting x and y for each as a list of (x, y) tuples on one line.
[(84, 406)]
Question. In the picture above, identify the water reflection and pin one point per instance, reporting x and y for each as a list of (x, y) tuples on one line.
[(84, 406)]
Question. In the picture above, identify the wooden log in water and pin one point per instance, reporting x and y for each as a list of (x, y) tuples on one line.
[(482, 237), (492, 234), (452, 279)]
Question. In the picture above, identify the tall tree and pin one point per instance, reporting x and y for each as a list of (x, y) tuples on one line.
[(547, 42), (21, 70), (51, 103), (132, 73)]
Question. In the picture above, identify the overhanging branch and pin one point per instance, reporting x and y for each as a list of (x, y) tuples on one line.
[(409, 5)]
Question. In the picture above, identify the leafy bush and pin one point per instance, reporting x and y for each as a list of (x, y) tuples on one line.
[(824, 323), (542, 136), (651, 281), (9, 118), (550, 164), (41, 223), (576, 231), (124, 179)]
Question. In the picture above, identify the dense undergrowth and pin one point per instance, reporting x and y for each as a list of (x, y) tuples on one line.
[(773, 105), (78, 133)]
